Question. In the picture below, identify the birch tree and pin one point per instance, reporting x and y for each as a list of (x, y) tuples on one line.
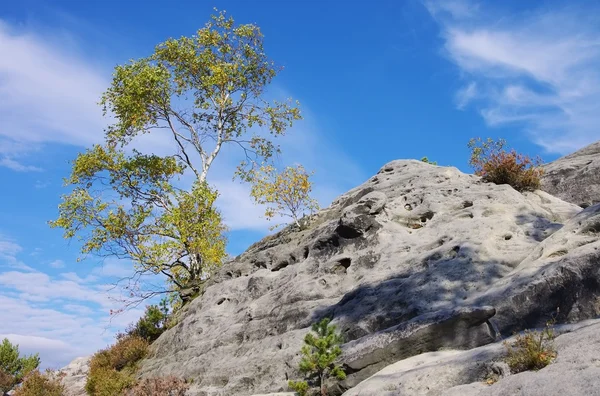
[(205, 92)]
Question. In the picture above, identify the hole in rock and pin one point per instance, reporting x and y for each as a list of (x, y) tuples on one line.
[(222, 300), (467, 204), (280, 266), (347, 232), (427, 216), (507, 237), (345, 262)]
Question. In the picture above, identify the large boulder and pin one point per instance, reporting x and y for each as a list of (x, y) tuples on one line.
[(418, 258), (575, 178), (464, 373)]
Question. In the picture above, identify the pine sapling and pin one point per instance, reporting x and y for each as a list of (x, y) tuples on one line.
[(319, 354)]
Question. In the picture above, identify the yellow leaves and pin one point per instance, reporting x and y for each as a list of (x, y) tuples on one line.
[(285, 193)]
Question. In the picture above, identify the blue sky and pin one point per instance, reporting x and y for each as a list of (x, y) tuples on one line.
[(377, 81)]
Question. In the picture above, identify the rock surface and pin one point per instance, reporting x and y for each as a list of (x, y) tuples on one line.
[(414, 242), (75, 376), (575, 178), (575, 371)]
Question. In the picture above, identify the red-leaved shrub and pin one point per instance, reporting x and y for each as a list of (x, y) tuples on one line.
[(494, 164)]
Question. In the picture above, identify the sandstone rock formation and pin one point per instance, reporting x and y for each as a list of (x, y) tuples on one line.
[(418, 259), (75, 376), (575, 178), (462, 373)]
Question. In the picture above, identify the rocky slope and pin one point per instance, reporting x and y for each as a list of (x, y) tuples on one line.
[(461, 373), (419, 258), (575, 178)]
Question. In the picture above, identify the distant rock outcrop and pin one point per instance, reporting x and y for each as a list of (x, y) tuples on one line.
[(575, 178), (75, 376), (418, 259)]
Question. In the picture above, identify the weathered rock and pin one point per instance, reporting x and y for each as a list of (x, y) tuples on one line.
[(461, 328), (414, 240), (463, 373), (575, 178), (75, 376)]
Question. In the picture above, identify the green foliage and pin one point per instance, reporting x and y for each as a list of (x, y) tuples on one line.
[(426, 160), (152, 324), (112, 370), (206, 92), (205, 88), (495, 164), (532, 350), (285, 193), (107, 382), (300, 387), (319, 353), (143, 217), (13, 367), (38, 384)]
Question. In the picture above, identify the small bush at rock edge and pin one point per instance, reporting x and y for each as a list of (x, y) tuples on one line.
[(152, 324), (532, 350), (494, 164), (38, 384), (426, 160), (112, 370), (319, 354)]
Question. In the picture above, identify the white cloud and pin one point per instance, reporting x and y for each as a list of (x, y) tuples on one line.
[(113, 268), (465, 95), (53, 353), (59, 317), (540, 70), (57, 264), (10, 163), (46, 95), (58, 336), (9, 250)]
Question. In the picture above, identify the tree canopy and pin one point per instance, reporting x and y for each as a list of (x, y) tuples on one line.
[(205, 91), (286, 193), (13, 366)]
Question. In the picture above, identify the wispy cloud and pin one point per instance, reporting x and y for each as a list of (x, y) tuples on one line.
[(57, 264), (539, 69), (9, 250), (465, 95), (17, 166), (46, 95)]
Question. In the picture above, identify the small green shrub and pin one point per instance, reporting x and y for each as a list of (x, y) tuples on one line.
[(38, 384), (171, 386), (532, 350), (13, 366), (426, 160), (127, 352), (300, 387), (108, 382), (494, 164), (152, 324), (112, 369), (319, 352)]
